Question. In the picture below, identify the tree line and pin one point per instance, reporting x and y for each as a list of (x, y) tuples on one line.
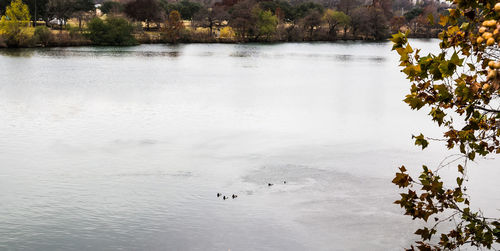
[(229, 20)]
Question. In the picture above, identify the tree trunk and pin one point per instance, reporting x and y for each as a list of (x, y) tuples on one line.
[(333, 31), (211, 25)]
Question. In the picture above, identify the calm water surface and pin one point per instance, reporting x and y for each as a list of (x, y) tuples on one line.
[(126, 148)]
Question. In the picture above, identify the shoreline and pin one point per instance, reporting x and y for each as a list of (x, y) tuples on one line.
[(84, 43)]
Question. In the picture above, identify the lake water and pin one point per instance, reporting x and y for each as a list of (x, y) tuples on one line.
[(105, 148)]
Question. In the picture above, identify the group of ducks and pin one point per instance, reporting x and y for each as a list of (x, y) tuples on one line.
[(234, 196), (271, 184)]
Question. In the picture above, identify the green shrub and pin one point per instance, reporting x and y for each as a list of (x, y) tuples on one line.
[(112, 31), (42, 35)]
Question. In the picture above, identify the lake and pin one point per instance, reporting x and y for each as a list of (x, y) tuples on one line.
[(125, 148)]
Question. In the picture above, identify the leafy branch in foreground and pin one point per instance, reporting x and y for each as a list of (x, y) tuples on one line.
[(462, 82)]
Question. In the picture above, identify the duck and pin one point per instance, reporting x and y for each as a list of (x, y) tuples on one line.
[(224, 197), (234, 196), (218, 195), (270, 184)]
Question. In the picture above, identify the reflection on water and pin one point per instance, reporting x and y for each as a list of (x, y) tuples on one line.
[(17, 52), (105, 148), (243, 51)]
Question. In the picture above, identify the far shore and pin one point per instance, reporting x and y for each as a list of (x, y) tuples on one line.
[(67, 41)]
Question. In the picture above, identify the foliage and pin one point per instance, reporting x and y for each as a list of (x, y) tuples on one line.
[(461, 87), (282, 9), (14, 23), (83, 5), (311, 22), (347, 6), (37, 8), (42, 35), (144, 10), (209, 18), (265, 21), (413, 13), (112, 31), (304, 9), (174, 27), (82, 9), (227, 32), (61, 10), (186, 8), (108, 7), (277, 20), (242, 19), (74, 32), (335, 19), (17, 12), (370, 22)]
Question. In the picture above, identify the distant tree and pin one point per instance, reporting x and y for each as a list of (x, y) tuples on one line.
[(397, 23), (431, 14), (112, 31), (242, 19), (186, 8), (38, 9), (413, 13), (305, 9), (174, 26), (61, 10), (144, 11), (288, 13), (379, 24), (359, 21), (109, 7), (282, 9), (82, 9), (385, 6), (13, 23), (265, 23), (226, 4), (334, 20), (210, 17), (370, 22), (311, 22), (347, 6), (17, 12)]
